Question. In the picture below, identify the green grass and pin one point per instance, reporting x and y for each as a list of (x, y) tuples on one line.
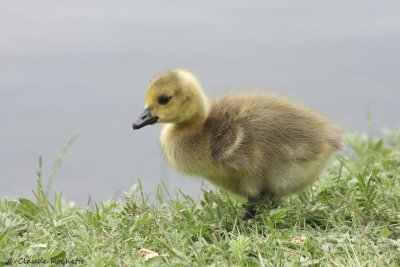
[(351, 217)]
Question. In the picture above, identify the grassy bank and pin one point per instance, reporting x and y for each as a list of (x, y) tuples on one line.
[(351, 217)]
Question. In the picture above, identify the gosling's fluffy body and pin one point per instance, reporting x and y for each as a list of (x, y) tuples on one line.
[(251, 144)]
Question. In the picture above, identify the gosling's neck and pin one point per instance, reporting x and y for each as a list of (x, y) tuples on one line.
[(185, 129), (194, 122)]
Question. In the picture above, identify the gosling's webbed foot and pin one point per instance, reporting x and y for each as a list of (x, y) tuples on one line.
[(251, 211), (251, 208), (253, 203)]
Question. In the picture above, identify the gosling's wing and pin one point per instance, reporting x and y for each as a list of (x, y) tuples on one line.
[(229, 143)]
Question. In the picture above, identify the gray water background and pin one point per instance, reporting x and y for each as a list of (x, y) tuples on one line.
[(83, 66)]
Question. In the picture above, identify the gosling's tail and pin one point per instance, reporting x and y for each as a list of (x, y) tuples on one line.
[(335, 136)]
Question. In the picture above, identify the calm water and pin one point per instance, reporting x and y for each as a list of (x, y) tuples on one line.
[(74, 66)]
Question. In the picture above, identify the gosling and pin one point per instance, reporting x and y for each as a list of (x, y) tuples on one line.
[(256, 145)]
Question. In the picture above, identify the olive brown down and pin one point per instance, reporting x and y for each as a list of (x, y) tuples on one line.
[(256, 145)]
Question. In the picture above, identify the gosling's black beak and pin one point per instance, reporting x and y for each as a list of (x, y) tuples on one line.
[(145, 119)]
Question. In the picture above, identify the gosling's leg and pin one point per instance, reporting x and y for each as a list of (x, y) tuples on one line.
[(251, 208)]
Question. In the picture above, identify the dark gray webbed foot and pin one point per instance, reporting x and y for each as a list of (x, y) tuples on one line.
[(251, 210), (253, 205)]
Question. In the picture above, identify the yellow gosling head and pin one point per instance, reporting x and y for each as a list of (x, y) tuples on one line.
[(175, 96)]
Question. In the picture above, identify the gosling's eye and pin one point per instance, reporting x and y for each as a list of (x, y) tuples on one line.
[(163, 100)]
